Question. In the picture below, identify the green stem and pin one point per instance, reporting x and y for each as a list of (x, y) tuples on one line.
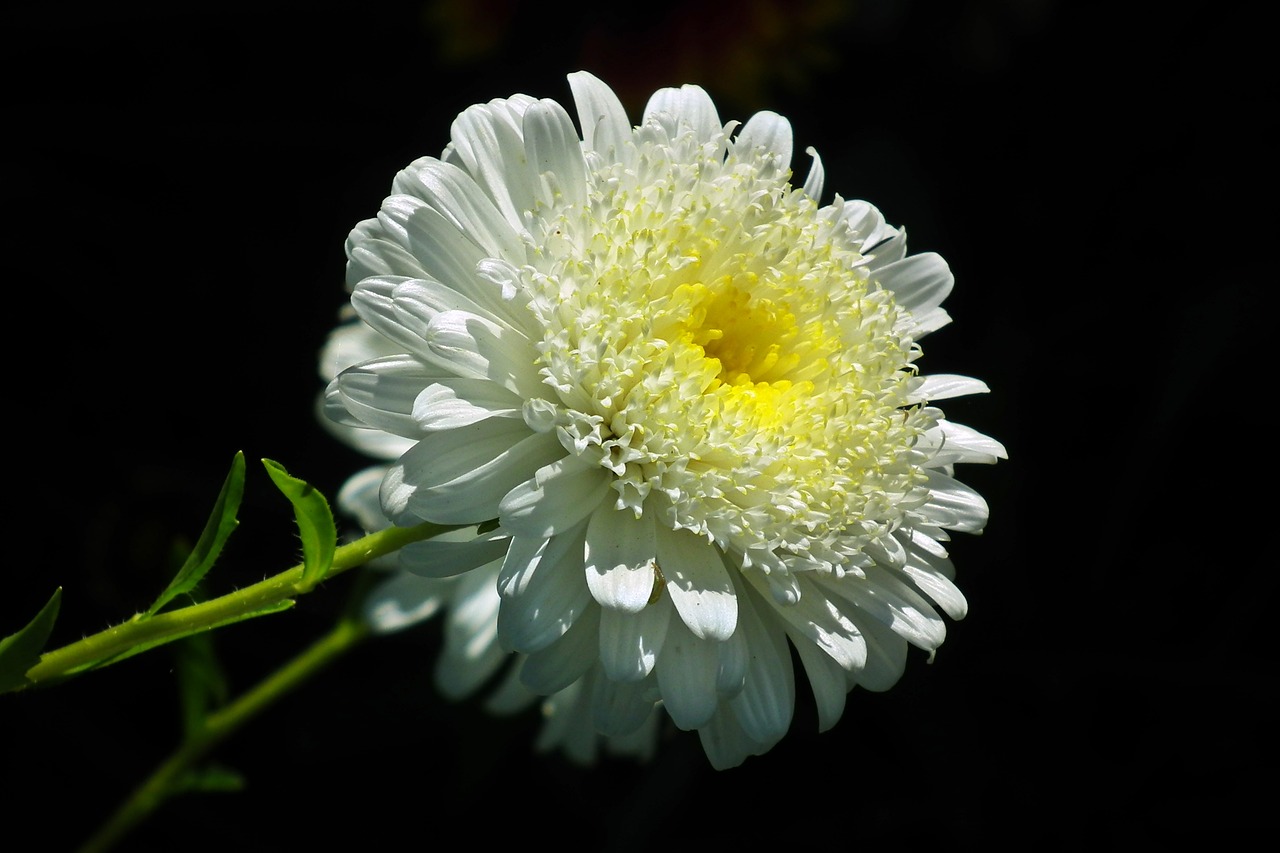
[(232, 607), (167, 778)]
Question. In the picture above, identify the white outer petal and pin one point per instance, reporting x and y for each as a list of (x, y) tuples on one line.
[(630, 643), (619, 559), (449, 403), (686, 673), (689, 106), (768, 130), (767, 701), (698, 582), (459, 476), (605, 126), (555, 498), (558, 665), (543, 591), (552, 146)]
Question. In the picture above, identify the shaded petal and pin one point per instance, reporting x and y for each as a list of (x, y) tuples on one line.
[(886, 654), (471, 653), (698, 582), (828, 680), (555, 667), (544, 594), (687, 668), (460, 476), (619, 708), (631, 642), (943, 386), (767, 701), (381, 393), (401, 601), (442, 558), (619, 559), (556, 498)]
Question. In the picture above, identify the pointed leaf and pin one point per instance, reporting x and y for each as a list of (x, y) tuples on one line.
[(315, 523), (21, 651), (216, 530)]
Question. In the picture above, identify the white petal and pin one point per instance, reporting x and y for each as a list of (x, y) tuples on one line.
[(442, 558), (770, 131), (698, 582), (689, 106), (886, 655), (402, 601), (884, 597), (620, 554), (553, 148), (631, 642), (543, 588), (453, 402), (453, 194), (767, 701), (556, 498), (828, 680), (371, 251), (919, 282), (943, 386), (931, 574), (866, 224), (381, 393), (555, 667), (959, 443), (605, 126), (687, 668), (459, 476), (486, 139), (620, 708), (471, 653), (814, 181), (954, 505), (727, 743), (447, 254), (820, 622), (477, 347)]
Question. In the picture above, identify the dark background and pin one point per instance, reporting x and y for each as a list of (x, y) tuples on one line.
[(178, 186)]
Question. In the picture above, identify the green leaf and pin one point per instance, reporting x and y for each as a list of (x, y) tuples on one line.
[(21, 651), (315, 523), (216, 530), (201, 682)]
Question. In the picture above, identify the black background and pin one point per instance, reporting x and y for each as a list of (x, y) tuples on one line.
[(178, 186)]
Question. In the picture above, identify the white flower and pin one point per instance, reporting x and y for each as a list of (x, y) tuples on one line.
[(467, 602), (687, 394)]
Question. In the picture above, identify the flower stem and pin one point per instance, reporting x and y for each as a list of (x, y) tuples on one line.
[(168, 778), (141, 633)]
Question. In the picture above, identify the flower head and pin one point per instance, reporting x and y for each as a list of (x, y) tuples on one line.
[(685, 392)]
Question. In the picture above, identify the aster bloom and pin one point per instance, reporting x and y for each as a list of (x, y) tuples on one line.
[(678, 399)]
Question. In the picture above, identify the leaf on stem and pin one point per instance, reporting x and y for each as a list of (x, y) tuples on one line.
[(21, 651), (216, 531), (315, 523)]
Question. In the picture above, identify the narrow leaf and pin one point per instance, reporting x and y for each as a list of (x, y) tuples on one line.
[(216, 530), (21, 651), (315, 523)]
